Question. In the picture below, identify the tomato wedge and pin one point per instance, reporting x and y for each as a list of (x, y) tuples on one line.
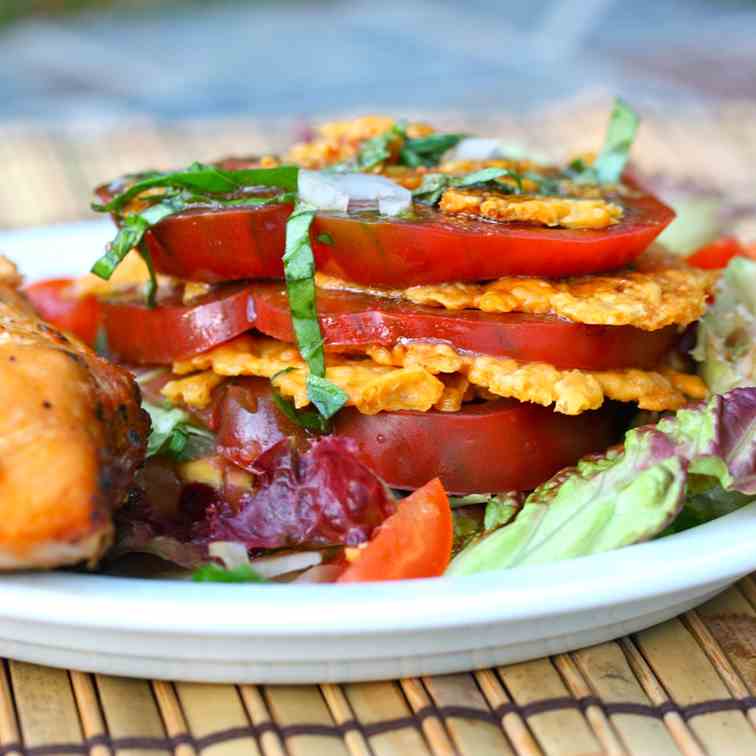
[(140, 335), (414, 542), (501, 445), (718, 253), (57, 302), (216, 245)]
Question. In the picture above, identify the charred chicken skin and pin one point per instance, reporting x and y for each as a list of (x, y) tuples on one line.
[(72, 435)]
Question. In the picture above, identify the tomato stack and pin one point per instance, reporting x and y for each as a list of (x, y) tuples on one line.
[(488, 335)]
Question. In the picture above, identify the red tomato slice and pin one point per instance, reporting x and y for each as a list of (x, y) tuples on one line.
[(56, 302), (414, 542), (140, 335), (718, 253), (501, 445), (352, 320), (237, 243)]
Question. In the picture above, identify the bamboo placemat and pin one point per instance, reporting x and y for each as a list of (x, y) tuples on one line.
[(687, 686)]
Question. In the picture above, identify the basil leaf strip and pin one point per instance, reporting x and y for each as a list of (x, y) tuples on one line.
[(620, 135), (207, 179), (611, 161), (435, 184), (131, 233), (307, 419), (299, 270), (427, 151), (376, 150), (414, 152)]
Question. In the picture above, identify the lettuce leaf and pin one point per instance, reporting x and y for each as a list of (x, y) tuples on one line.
[(629, 494), (726, 345)]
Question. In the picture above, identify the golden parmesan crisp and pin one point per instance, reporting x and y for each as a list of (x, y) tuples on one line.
[(341, 140), (570, 391), (422, 376), (564, 212), (646, 300), (194, 391), (370, 387)]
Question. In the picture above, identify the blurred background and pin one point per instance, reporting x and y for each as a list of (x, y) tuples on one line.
[(91, 88)]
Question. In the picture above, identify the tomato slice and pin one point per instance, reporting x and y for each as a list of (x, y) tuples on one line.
[(57, 302), (216, 245), (718, 253), (140, 335), (350, 320), (501, 445), (414, 542)]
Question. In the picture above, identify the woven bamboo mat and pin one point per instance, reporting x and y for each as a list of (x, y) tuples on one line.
[(687, 686)]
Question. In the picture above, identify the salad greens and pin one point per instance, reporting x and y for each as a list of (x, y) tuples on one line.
[(299, 269), (726, 342), (173, 433), (631, 494), (214, 573)]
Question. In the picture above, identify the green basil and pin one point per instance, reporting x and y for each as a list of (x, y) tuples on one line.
[(611, 161), (207, 179), (435, 184), (299, 270)]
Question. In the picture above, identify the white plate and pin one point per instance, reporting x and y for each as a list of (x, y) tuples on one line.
[(318, 633)]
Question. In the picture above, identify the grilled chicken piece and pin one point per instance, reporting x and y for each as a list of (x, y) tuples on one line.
[(72, 435)]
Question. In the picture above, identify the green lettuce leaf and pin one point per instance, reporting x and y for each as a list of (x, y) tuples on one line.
[(173, 433), (629, 494), (726, 344), (214, 573), (299, 269)]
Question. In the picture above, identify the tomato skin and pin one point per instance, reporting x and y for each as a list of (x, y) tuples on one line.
[(353, 320), (56, 302), (717, 254), (236, 243), (247, 422), (138, 334), (501, 445), (414, 542)]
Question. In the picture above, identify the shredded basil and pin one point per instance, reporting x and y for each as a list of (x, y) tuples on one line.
[(308, 419), (611, 161), (413, 152), (199, 185), (214, 573), (325, 239), (427, 151), (374, 151), (206, 179), (435, 184), (174, 434), (299, 270)]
